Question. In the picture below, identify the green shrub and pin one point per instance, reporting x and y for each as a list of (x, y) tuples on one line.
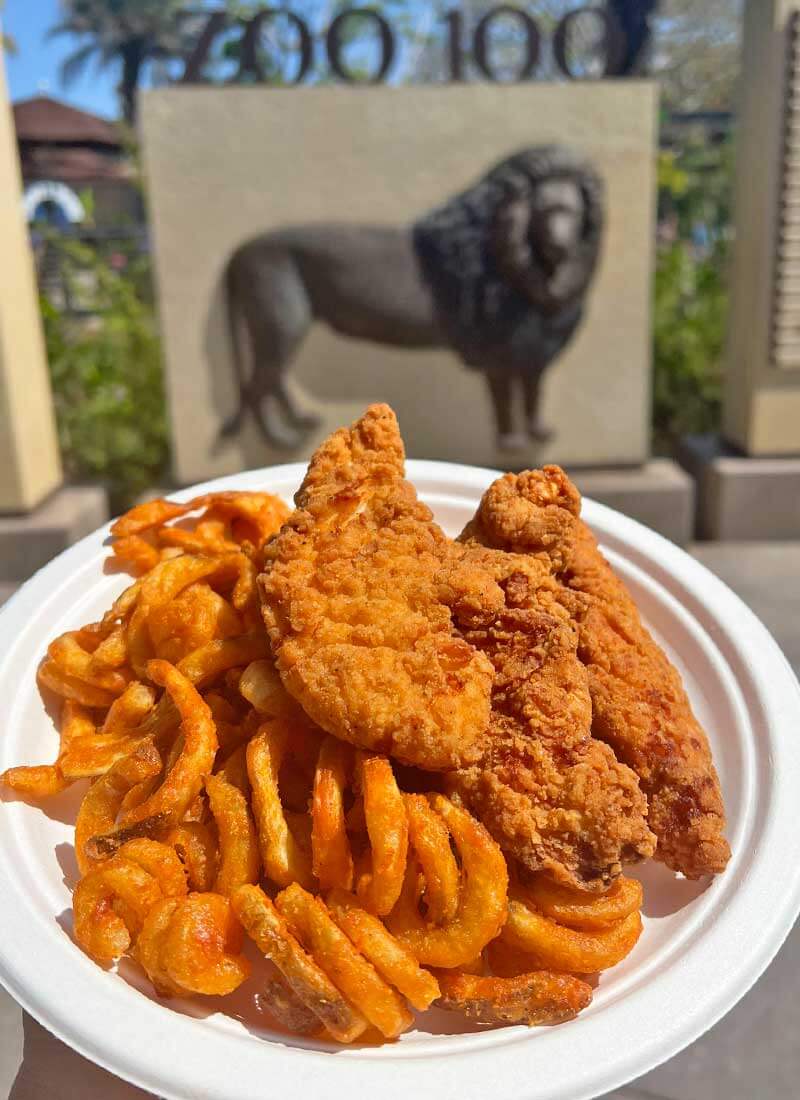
[(691, 295), (106, 375), (691, 305)]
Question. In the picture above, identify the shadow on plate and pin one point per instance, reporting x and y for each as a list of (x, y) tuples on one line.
[(65, 854), (665, 892), (61, 807)]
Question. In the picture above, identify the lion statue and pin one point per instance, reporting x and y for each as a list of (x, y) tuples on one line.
[(499, 274)]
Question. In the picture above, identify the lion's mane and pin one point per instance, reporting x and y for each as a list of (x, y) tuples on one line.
[(495, 300)]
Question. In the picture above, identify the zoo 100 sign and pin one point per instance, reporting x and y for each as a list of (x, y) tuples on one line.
[(351, 21)]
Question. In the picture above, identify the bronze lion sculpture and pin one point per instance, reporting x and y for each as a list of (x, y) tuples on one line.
[(499, 274)]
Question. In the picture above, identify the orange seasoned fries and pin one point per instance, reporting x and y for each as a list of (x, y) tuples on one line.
[(216, 809)]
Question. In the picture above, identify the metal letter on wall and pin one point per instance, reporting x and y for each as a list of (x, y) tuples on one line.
[(785, 328)]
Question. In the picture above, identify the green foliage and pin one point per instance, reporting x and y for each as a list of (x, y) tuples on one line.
[(696, 55), (107, 379), (691, 295), (691, 304)]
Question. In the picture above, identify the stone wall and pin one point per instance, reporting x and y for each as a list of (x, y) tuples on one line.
[(226, 163)]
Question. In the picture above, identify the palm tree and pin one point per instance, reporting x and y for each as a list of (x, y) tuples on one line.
[(124, 33)]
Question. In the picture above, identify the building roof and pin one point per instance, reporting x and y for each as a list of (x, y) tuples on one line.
[(47, 120), (73, 165)]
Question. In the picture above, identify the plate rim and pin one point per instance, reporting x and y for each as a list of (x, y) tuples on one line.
[(767, 665)]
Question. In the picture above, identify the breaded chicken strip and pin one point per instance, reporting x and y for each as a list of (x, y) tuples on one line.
[(642, 711), (639, 705), (550, 794), (535, 512), (361, 638)]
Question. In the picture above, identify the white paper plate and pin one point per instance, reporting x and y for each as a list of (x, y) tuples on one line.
[(702, 948)]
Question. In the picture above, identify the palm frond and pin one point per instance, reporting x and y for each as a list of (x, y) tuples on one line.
[(74, 66)]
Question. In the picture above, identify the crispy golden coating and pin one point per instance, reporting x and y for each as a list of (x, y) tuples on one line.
[(350, 597), (534, 512), (551, 795), (641, 710)]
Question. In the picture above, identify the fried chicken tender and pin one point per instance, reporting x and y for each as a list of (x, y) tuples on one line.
[(639, 705), (350, 598), (641, 710), (535, 512), (550, 794)]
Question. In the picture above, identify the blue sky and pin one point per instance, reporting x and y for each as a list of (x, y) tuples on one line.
[(35, 66), (34, 69)]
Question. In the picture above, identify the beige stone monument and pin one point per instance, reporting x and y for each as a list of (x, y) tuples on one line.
[(29, 461), (224, 164), (762, 391)]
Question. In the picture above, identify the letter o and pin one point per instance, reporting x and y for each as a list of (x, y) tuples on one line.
[(249, 60), (481, 43), (333, 45)]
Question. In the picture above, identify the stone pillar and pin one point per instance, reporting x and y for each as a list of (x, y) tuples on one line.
[(30, 467), (762, 387)]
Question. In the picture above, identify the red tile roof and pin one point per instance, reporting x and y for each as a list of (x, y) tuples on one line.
[(44, 119)]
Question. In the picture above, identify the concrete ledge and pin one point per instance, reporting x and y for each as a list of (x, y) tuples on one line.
[(28, 542), (658, 494), (742, 498), (7, 590)]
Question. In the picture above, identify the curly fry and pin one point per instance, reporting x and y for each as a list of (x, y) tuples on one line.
[(35, 780), (482, 905), (548, 945), (196, 848), (239, 862), (157, 588), (431, 841), (387, 828), (51, 677), (234, 770), (331, 857), (149, 947), (201, 950), (270, 931), (101, 803), (391, 959), (578, 908), (74, 662), (263, 688), (197, 616), (185, 778), (347, 969), (90, 753), (137, 553), (160, 861), (252, 517), (112, 652), (536, 998), (99, 930), (151, 513), (283, 859), (212, 659)]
